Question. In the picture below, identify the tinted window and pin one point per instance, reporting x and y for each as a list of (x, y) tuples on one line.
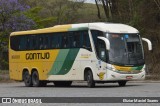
[(95, 34), (15, 42), (101, 50), (99, 45), (63, 40)]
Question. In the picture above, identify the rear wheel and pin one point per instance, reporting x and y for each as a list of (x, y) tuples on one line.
[(90, 81), (35, 80), (122, 83), (62, 83), (27, 79)]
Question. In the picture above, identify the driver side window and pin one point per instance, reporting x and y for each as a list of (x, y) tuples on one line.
[(100, 46), (101, 50)]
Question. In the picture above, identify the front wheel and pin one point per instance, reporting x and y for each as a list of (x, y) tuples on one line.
[(90, 81), (27, 79), (122, 83)]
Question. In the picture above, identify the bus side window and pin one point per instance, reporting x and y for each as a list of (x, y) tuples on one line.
[(64, 41), (34, 42), (71, 40), (15, 42), (46, 42), (22, 43), (86, 40), (59, 41), (40, 42), (53, 41), (28, 43), (76, 38), (74, 43)]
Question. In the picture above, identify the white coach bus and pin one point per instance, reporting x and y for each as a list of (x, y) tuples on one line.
[(91, 52)]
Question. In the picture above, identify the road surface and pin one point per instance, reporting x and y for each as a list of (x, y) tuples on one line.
[(132, 89)]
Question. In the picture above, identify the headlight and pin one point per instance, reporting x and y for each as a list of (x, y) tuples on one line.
[(110, 67)]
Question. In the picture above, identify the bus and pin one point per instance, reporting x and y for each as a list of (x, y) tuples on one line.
[(92, 52)]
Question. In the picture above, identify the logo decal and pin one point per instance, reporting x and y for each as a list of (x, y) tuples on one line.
[(101, 75)]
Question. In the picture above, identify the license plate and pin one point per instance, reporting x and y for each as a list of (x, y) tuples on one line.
[(129, 77)]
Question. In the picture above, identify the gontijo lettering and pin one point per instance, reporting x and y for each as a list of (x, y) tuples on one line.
[(37, 56)]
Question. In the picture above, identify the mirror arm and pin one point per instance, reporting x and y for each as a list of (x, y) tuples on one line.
[(106, 42), (149, 43)]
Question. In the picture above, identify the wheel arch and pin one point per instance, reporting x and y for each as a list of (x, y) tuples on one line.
[(34, 69), (24, 70), (85, 72)]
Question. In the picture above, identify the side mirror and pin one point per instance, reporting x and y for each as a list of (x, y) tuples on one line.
[(106, 42), (149, 43)]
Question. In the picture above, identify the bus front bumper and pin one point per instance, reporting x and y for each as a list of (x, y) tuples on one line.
[(111, 75)]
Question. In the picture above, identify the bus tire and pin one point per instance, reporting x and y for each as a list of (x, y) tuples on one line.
[(35, 79), (90, 81), (27, 79), (122, 83), (62, 83)]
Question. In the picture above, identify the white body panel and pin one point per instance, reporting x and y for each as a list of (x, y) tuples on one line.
[(88, 59)]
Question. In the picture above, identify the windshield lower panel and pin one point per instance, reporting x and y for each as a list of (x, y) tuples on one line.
[(125, 49)]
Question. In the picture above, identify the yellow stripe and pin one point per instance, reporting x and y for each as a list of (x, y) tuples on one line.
[(122, 68), (58, 28)]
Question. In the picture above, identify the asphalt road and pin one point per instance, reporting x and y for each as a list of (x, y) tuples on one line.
[(132, 89)]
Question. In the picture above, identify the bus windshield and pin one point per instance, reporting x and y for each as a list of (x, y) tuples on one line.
[(125, 49)]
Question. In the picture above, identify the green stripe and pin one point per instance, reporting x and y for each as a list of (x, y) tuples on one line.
[(59, 61), (64, 61), (68, 61), (137, 68)]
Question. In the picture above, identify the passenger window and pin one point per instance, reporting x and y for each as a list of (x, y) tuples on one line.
[(40, 42), (77, 41), (86, 41), (15, 42), (34, 44), (65, 42), (72, 40), (54, 42), (46, 42)]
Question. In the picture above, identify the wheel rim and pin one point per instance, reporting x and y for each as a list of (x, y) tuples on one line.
[(35, 79), (88, 79), (27, 78)]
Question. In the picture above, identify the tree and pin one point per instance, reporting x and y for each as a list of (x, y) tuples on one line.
[(12, 19), (106, 6), (39, 18), (65, 11)]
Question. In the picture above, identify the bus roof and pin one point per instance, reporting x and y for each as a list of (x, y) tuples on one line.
[(101, 26)]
